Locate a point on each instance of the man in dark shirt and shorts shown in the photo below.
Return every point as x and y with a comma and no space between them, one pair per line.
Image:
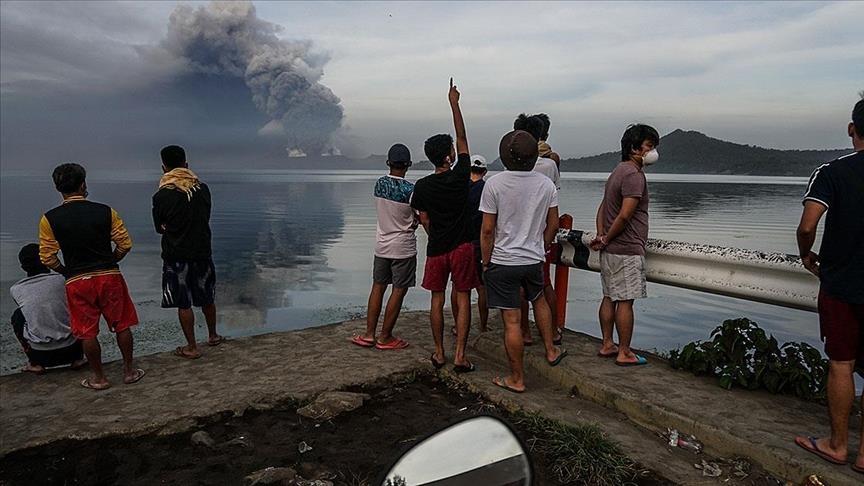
838,189
478,173
181,214
84,232
442,201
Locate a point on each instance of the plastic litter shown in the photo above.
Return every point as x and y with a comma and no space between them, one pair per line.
684,441
813,480
303,447
709,469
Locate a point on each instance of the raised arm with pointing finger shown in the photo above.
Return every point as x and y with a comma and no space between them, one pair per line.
458,121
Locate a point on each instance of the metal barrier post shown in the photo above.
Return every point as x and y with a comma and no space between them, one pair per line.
562,276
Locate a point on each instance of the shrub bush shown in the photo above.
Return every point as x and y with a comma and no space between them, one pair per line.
741,354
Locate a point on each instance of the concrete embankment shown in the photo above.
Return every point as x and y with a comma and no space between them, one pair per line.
259,372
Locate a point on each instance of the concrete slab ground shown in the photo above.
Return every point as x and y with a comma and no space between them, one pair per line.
264,371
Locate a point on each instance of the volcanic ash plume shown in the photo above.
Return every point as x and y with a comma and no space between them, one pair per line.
228,39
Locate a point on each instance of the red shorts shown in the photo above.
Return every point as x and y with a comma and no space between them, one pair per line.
458,262
841,326
93,296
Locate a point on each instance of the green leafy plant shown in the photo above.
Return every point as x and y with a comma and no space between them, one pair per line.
741,354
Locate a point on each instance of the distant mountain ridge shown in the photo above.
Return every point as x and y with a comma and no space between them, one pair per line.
692,152
681,152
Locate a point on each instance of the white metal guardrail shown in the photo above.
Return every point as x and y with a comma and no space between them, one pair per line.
772,278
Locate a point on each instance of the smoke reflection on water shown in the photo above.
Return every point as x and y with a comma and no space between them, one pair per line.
294,250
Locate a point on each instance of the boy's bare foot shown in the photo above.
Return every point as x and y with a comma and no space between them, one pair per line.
608,351
185,352
133,376
95,385
215,340
508,385
31,368
78,364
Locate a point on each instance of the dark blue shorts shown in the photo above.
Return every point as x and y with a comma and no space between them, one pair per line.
188,283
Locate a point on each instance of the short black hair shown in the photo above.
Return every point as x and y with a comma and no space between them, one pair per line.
28,257
634,136
531,124
438,148
173,156
546,124
68,178
858,118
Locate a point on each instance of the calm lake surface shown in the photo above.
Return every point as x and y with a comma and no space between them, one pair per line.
293,249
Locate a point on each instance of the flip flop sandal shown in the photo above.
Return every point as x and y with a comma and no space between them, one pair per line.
640,361
557,360
216,342
501,384
363,342
86,384
859,470
608,355
178,351
811,447
438,365
464,368
557,341
139,373
395,343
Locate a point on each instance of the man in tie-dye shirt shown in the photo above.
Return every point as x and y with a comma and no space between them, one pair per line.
395,261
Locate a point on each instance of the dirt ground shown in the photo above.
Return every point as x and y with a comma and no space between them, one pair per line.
352,449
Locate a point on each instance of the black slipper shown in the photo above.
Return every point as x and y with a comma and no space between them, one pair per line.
464,368
558,359
435,363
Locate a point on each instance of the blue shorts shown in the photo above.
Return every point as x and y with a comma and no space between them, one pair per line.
188,283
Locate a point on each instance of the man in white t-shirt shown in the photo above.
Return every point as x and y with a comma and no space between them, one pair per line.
538,127
520,219
395,261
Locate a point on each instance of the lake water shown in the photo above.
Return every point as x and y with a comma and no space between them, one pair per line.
294,249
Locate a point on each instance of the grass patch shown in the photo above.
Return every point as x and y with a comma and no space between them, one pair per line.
577,455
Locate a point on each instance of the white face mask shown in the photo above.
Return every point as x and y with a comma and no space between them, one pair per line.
650,157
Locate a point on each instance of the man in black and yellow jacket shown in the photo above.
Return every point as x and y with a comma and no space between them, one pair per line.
84,232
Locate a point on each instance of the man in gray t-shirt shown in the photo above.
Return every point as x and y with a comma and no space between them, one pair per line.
622,231
41,320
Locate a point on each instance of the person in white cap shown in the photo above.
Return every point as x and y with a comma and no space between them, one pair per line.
478,173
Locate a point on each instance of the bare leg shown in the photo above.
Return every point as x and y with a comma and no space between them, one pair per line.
373,310
436,318
454,309
624,325
524,321
483,308
552,301
93,352
209,311
187,323
515,347
841,394
463,326
607,326
543,316
860,461
124,342
391,313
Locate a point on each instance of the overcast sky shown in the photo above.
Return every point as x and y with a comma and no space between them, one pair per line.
89,81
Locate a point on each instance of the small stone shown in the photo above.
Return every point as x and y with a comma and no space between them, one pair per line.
202,438
330,404
271,475
303,447
241,441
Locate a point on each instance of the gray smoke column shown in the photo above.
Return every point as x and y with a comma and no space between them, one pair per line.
228,39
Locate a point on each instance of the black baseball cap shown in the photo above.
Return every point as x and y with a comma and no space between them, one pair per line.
399,155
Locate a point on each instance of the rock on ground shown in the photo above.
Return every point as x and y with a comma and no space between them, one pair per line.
271,475
330,404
